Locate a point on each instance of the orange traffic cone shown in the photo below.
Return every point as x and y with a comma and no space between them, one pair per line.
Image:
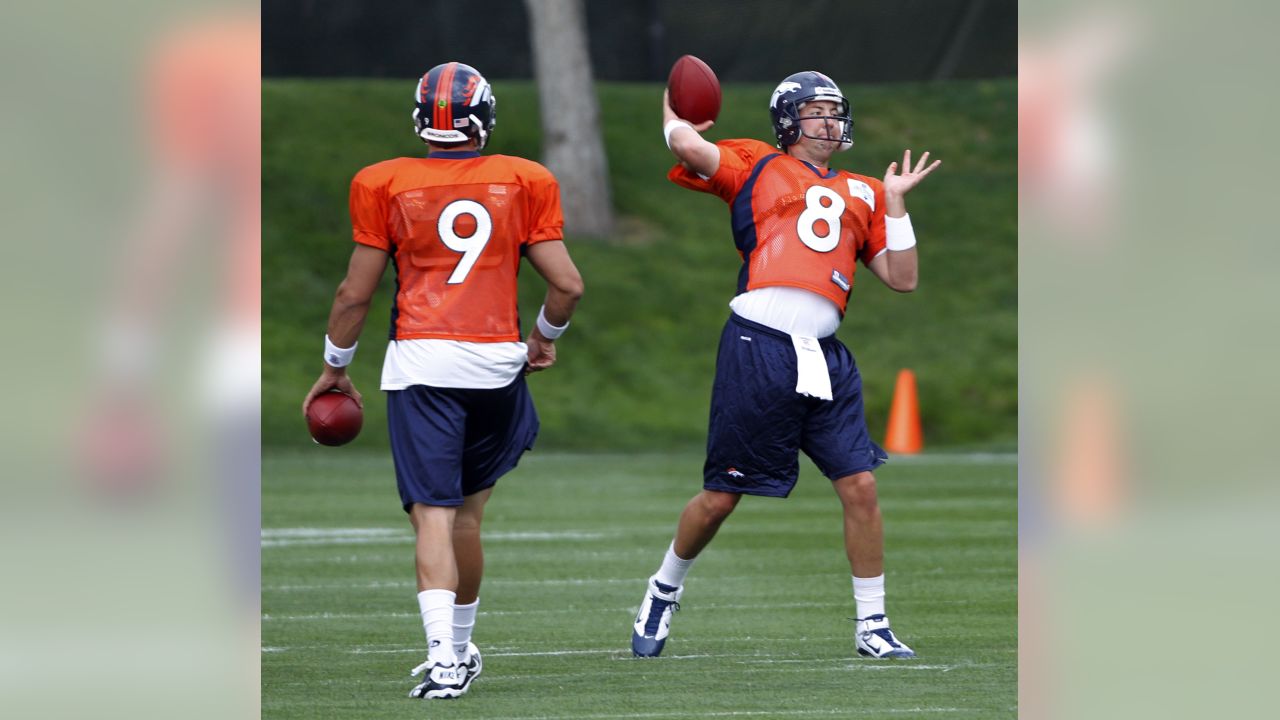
904,435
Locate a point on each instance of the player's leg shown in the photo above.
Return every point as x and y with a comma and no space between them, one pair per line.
427,428
864,545
433,549
863,527
466,545
752,449
836,438
699,521
437,590
502,425
437,578
469,552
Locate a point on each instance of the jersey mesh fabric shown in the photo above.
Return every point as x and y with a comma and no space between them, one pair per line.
494,205
783,212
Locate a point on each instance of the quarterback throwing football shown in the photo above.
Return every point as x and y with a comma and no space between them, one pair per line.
784,383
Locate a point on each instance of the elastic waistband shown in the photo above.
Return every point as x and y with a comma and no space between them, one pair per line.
752,325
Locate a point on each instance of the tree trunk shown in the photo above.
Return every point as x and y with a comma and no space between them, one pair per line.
573,147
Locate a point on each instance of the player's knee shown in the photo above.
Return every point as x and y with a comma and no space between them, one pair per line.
858,491
466,523
718,505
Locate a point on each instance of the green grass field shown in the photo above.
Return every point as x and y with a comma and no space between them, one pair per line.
570,538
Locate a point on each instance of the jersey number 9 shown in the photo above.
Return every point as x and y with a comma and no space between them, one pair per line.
470,246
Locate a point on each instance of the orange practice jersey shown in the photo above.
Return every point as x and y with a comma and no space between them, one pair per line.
454,224
793,226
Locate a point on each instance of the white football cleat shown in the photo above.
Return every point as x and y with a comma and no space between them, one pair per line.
874,639
653,622
442,681
472,667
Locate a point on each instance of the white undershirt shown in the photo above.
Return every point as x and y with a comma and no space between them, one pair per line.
452,364
791,310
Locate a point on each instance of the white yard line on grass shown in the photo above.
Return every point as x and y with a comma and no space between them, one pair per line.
293,537
495,649
637,581
309,532
550,611
842,712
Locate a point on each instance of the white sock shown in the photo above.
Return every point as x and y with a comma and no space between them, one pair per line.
868,596
674,567
437,620
464,618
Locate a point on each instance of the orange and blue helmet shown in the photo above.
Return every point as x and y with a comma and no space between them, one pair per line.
453,104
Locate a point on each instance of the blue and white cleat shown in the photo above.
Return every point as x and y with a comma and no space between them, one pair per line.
653,622
875,639
472,667
442,681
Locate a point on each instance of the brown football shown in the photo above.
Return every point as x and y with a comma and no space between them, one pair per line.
693,90
334,418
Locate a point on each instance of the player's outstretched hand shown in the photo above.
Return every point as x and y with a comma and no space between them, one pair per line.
542,353
895,184
668,115
332,379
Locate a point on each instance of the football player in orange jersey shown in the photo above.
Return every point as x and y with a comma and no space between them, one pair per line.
784,383
455,225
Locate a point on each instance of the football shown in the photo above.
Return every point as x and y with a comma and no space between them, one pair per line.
334,418
693,90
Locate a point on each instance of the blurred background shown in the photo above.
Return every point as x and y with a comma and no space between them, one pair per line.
129,511
636,40
1141,317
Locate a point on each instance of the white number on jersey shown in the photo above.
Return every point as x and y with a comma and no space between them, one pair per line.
814,211
470,247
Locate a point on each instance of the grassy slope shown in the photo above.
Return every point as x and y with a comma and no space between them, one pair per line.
569,540
635,370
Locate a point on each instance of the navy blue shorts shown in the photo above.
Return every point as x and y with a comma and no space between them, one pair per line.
759,423
449,443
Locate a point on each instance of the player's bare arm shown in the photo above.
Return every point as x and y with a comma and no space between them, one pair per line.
687,143
564,288
899,269
350,308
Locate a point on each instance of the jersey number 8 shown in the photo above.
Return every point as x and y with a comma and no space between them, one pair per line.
470,246
814,211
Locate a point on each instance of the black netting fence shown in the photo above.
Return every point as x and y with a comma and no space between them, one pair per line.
637,40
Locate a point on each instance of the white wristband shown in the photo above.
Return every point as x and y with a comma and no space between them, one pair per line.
670,128
336,356
898,234
549,331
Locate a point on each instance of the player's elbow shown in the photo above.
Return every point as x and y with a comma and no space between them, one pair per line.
905,284
576,289
693,153
571,286
349,296
682,144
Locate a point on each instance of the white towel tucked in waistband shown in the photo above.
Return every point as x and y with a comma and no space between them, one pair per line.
812,376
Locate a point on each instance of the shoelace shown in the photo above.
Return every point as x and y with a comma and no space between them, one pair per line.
655,614
890,638
424,666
